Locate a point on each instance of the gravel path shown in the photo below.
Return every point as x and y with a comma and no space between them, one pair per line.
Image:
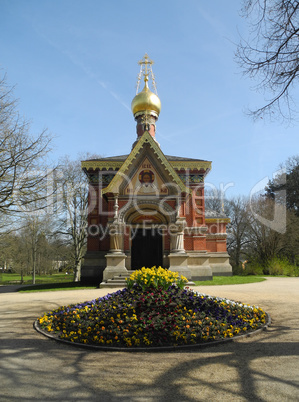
260,368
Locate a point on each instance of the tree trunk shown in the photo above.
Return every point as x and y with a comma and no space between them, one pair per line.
77,273
33,274
33,264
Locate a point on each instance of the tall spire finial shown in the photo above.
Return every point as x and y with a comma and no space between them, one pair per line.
146,71
146,105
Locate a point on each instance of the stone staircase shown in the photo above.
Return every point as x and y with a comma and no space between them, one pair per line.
118,281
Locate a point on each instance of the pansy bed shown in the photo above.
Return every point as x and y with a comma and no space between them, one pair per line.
152,312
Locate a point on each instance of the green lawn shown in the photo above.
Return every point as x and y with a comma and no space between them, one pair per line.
43,283
64,282
15,279
230,280
218,280
51,287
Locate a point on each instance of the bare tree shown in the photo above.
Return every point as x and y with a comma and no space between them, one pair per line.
214,200
22,158
271,53
284,188
7,250
239,228
265,243
72,212
250,234
32,248
237,209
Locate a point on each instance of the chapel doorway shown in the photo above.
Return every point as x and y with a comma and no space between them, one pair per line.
146,249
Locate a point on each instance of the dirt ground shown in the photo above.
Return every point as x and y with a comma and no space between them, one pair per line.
264,367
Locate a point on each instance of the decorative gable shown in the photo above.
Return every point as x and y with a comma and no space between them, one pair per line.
146,181
146,171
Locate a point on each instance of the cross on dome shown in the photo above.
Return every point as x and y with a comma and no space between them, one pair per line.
146,105
146,71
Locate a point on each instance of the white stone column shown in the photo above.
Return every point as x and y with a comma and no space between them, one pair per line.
178,258
177,239
116,257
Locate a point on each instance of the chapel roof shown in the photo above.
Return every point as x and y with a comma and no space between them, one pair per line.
168,157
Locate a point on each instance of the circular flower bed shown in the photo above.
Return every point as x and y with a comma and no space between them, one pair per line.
152,316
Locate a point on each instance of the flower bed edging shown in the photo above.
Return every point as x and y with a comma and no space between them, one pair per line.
153,348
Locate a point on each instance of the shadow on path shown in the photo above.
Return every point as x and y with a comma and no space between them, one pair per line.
49,371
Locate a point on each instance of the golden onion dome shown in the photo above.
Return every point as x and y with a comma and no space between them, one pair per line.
146,100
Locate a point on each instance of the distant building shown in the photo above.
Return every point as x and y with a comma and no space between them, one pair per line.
147,208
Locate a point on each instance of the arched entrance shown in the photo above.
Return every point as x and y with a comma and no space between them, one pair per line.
146,248
148,233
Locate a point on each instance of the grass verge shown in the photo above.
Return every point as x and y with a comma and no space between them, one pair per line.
49,287
230,280
218,280
16,279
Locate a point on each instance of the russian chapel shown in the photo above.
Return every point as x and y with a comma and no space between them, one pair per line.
148,209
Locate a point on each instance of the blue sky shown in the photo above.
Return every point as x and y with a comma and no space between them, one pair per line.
74,64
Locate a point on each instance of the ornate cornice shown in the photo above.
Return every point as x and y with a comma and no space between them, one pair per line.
205,166
191,178
100,165
217,220
217,236
191,165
